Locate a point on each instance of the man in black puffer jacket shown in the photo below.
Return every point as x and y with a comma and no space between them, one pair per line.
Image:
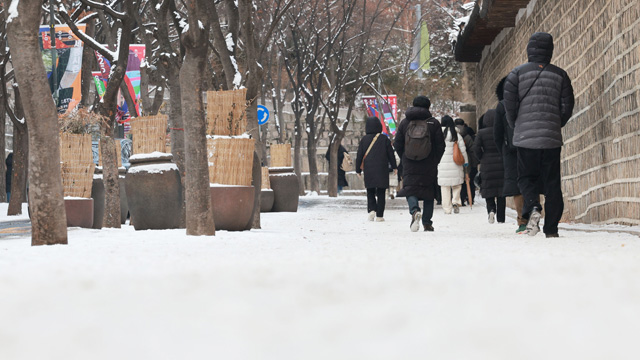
538,99
420,176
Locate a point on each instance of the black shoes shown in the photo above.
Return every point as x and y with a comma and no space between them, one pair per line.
428,227
554,235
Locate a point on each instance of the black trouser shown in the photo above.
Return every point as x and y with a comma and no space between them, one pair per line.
535,165
372,204
497,205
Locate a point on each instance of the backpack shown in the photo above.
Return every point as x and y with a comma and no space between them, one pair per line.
418,140
347,163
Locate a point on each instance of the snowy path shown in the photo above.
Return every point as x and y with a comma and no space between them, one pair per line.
323,283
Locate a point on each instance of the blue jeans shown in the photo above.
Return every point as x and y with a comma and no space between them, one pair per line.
427,214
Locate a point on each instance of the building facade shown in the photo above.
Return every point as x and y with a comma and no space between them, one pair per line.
598,43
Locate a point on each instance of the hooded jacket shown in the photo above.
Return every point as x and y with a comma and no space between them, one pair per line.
376,165
538,97
491,166
503,138
419,177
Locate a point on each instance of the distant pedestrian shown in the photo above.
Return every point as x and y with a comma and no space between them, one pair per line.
420,145
8,173
451,175
491,167
342,175
472,170
375,155
503,137
539,100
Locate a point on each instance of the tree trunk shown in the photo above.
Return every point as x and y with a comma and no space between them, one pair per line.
20,169
297,156
46,202
176,130
88,63
312,151
256,173
3,145
332,182
199,215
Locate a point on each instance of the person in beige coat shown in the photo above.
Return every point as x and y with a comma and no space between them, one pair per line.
450,174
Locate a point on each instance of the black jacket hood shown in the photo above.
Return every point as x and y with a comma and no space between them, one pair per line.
373,125
417,113
540,48
500,89
489,118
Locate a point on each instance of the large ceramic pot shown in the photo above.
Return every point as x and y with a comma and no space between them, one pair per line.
232,206
79,212
97,194
266,200
285,186
154,192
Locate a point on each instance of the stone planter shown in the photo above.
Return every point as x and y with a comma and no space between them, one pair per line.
97,194
266,200
232,206
154,192
79,212
285,186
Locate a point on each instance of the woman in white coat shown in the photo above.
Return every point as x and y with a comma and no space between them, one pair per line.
450,174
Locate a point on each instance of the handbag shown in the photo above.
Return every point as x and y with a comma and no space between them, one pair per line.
458,158
347,163
368,149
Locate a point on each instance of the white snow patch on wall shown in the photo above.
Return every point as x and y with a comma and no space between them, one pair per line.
153,168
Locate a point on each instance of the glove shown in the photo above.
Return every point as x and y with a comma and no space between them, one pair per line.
466,164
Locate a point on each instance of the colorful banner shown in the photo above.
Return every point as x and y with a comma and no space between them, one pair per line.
385,108
421,51
132,81
68,65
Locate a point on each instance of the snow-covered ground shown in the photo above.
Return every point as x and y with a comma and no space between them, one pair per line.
323,283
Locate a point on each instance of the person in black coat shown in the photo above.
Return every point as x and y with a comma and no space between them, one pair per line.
539,101
342,175
491,167
9,163
420,177
503,137
375,158
469,136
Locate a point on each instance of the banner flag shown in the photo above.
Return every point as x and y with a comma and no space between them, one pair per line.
421,53
68,65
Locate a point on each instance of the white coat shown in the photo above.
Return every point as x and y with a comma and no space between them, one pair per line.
449,173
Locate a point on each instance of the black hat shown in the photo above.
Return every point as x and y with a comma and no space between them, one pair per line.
422,101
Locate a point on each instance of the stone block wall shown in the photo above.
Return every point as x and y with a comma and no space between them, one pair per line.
598,43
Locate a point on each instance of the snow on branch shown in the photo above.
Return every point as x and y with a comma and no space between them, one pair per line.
106,8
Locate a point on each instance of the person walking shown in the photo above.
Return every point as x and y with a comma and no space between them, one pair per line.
472,170
503,137
375,155
539,100
491,167
420,145
342,175
451,175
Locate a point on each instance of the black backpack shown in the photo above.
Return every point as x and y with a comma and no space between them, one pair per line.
418,140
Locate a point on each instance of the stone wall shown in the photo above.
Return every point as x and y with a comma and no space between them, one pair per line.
598,43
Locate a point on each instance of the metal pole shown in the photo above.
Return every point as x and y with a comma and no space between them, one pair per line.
54,52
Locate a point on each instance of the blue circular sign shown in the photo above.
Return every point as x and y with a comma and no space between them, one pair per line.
263,114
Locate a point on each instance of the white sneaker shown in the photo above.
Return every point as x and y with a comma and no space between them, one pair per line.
492,217
534,220
372,215
379,219
415,221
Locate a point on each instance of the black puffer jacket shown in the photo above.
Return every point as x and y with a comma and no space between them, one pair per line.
538,109
376,165
491,168
419,177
